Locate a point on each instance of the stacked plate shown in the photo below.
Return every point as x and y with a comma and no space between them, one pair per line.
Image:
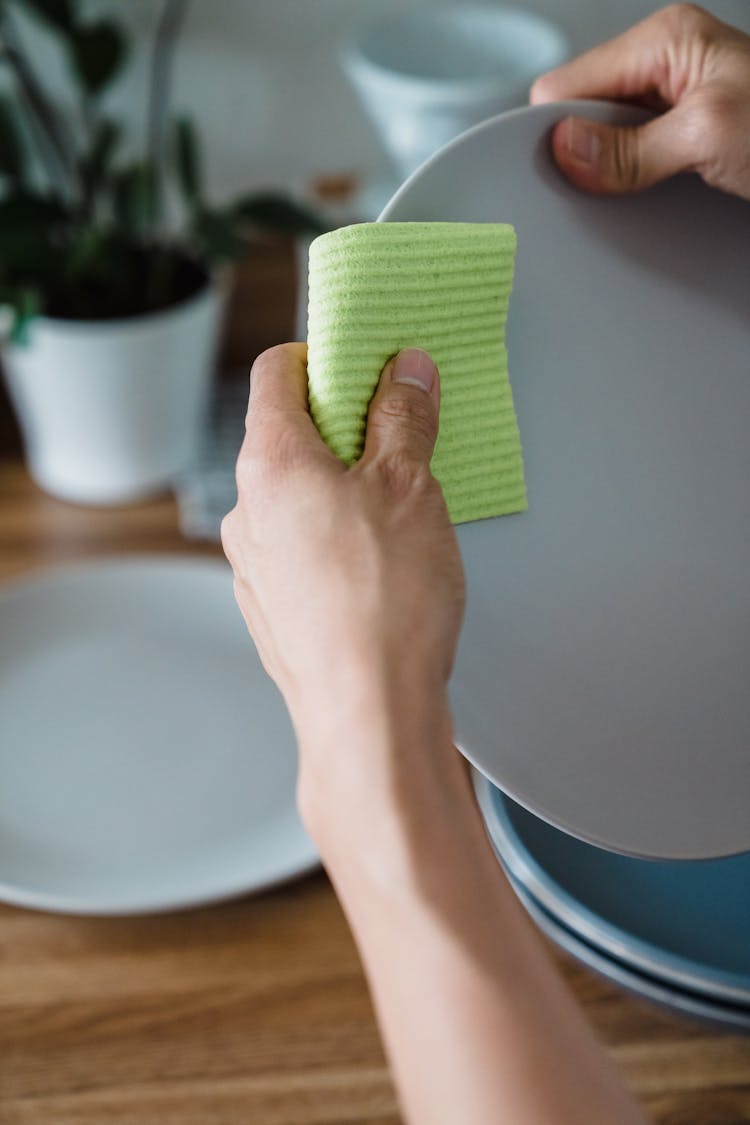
677,933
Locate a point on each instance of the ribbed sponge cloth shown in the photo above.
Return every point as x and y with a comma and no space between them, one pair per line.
376,288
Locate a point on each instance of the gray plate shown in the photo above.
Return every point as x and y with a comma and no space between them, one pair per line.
684,924
603,672
696,1007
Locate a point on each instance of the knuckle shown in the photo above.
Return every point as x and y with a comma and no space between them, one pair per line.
270,450
268,362
403,476
250,469
705,118
707,125
625,158
412,413
683,18
268,369
284,449
227,532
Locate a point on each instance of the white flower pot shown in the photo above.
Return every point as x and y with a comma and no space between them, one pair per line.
111,410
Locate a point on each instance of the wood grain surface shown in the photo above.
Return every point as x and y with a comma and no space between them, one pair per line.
255,1011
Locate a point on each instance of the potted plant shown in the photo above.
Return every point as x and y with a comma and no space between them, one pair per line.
109,264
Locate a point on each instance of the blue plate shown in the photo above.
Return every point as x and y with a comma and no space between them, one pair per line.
728,1016
685,922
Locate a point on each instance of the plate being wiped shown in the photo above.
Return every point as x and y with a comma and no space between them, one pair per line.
603,674
147,761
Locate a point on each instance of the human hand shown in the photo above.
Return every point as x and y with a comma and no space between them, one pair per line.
349,579
351,584
680,60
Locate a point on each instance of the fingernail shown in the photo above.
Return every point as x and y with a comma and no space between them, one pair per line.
584,144
415,367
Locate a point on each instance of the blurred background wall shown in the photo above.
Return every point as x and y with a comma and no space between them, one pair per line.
263,79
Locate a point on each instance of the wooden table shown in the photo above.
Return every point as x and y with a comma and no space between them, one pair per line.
255,1011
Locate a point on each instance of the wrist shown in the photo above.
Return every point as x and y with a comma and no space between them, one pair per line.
389,712
364,689
367,760
393,815
422,855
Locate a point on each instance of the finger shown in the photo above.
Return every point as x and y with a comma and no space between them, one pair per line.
278,380
633,64
278,414
616,159
403,415
616,69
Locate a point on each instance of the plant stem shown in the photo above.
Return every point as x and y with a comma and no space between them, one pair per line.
61,169
170,21
167,31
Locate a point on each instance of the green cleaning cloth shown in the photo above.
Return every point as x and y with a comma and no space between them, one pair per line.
376,288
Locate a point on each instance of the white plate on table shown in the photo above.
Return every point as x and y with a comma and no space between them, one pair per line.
603,676
146,760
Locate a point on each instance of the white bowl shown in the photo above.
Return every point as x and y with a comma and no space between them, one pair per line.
426,76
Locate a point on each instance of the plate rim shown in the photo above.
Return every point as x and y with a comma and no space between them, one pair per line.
602,108
675,1000
582,920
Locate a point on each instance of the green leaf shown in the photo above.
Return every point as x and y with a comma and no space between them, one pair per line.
61,14
272,211
188,162
98,52
98,270
24,304
94,165
218,236
33,234
11,146
28,306
24,210
30,229
137,200
86,250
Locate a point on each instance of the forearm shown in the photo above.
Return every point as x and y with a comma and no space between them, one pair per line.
478,1025
350,581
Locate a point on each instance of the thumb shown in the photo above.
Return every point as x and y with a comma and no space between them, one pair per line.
615,159
403,415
